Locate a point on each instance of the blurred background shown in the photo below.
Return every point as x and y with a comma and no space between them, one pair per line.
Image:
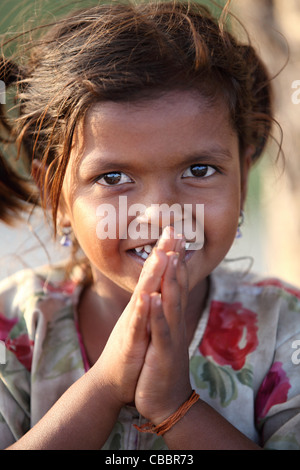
270,244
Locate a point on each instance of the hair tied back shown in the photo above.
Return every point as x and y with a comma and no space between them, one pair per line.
10,72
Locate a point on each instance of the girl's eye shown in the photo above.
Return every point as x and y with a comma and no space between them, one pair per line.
199,171
113,178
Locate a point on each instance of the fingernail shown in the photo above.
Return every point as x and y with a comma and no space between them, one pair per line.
141,299
175,260
158,300
166,233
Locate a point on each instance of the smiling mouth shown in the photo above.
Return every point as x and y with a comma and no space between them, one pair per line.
144,251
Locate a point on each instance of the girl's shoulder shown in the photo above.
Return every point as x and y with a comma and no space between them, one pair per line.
45,281
233,283
38,344
270,298
31,293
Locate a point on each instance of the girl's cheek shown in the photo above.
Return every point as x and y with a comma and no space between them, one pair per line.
220,222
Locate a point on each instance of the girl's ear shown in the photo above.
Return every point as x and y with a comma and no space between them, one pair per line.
246,163
63,220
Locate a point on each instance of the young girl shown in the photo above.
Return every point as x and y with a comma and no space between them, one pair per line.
156,103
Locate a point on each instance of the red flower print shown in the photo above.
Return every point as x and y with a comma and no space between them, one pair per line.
273,390
6,324
22,349
64,287
230,335
21,345
276,283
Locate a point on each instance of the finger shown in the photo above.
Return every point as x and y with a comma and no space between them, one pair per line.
151,275
168,239
182,272
156,263
153,266
149,281
171,293
160,333
180,247
138,331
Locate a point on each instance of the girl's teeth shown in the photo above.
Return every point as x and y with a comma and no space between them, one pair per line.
143,251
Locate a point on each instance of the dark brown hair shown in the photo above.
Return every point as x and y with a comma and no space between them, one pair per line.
16,194
125,52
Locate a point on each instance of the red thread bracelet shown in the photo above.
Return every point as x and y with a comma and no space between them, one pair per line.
168,423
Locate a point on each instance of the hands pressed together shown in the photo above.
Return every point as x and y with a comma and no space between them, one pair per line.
145,360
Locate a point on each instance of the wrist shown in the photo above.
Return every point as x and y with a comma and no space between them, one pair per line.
159,415
162,427
104,389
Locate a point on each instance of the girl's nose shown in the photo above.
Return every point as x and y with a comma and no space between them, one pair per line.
167,208
162,203
161,214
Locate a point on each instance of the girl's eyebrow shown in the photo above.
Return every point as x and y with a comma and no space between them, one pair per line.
216,153
105,163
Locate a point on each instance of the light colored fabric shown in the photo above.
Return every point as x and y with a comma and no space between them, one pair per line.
241,357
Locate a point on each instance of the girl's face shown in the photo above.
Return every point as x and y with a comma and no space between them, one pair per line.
173,150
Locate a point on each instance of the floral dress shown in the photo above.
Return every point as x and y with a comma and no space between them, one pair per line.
244,357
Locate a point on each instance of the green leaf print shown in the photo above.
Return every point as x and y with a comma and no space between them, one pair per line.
287,442
293,302
221,381
245,376
19,329
115,440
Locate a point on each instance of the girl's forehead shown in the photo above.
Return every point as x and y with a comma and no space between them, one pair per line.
179,102
170,111
175,125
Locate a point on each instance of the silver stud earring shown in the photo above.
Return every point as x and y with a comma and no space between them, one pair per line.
66,240
241,221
